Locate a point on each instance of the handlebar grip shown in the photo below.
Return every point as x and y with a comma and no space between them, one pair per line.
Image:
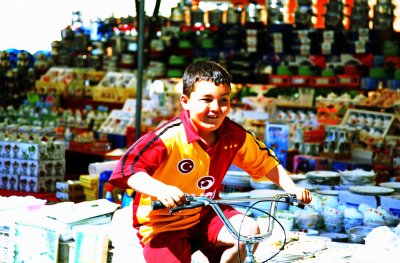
294,202
157,205
299,205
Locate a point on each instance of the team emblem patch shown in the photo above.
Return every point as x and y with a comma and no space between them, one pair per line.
205,182
186,166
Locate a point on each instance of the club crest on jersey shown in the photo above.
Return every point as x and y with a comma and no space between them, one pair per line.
205,182
186,166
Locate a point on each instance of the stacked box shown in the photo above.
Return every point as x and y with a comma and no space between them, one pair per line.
90,185
70,191
31,167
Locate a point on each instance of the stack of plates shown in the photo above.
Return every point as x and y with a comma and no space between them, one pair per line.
323,177
357,177
393,185
371,190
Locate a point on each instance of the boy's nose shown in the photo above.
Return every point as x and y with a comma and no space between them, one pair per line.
214,105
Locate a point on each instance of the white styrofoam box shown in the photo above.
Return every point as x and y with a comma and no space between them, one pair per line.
392,203
353,199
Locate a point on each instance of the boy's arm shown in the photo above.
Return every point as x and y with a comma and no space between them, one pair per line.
280,177
169,195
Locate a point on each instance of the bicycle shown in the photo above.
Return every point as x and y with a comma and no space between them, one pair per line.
250,241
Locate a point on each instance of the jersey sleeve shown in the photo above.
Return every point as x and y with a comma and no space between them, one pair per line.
145,155
255,158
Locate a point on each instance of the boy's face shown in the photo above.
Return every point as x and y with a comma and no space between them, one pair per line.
208,105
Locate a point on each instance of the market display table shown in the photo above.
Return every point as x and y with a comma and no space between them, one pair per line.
299,248
303,248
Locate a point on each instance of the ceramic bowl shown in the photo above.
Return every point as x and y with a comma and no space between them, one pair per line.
309,232
329,198
307,219
349,223
335,236
352,213
286,218
330,212
373,218
357,234
334,228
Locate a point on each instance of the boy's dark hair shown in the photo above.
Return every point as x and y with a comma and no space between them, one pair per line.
204,70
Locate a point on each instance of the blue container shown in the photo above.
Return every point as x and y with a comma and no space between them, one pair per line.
370,84
393,84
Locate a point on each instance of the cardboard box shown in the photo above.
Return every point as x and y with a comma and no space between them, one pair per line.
352,199
37,184
115,87
277,139
32,151
9,166
9,182
42,168
392,203
89,181
71,187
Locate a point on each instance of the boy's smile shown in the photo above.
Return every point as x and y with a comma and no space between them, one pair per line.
208,105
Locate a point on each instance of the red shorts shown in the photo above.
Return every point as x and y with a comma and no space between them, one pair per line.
178,246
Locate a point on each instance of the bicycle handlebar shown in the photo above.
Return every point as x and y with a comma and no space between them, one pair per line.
194,202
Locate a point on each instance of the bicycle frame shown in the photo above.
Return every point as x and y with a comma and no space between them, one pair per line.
249,241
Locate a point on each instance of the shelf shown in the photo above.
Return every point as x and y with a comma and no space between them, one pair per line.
46,196
80,103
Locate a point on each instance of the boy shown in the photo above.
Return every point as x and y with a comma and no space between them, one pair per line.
191,154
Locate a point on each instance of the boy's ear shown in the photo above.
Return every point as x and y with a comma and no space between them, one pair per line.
184,102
